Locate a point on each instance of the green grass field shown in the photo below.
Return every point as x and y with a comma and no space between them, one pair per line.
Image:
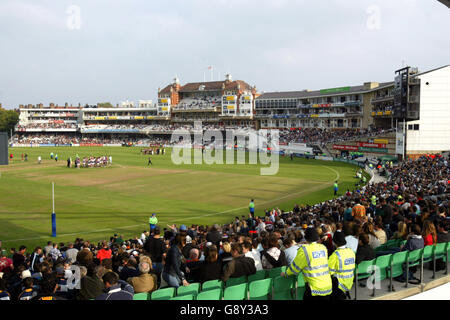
94,203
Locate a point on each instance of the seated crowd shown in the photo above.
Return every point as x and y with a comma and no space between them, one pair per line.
412,205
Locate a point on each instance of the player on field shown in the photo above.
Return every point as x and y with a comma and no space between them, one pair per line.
149,161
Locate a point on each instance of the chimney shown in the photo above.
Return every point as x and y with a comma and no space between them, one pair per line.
371,85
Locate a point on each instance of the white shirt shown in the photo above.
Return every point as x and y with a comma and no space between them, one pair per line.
352,243
254,254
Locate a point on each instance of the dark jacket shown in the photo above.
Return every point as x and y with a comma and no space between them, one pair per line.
91,287
156,248
214,237
128,272
364,253
174,263
238,267
208,271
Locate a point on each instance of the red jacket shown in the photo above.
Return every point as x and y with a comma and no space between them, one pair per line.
104,254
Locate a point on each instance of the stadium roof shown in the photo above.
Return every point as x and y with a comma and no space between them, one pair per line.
425,72
322,93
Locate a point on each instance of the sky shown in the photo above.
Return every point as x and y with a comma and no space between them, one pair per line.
90,51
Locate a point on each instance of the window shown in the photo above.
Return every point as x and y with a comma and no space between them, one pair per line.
416,127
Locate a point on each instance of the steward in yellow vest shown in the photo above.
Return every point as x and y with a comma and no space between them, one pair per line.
342,268
312,262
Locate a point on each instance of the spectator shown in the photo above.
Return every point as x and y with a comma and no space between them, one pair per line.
249,250
91,285
35,258
156,248
210,268
48,287
350,238
291,249
214,236
71,253
429,233
239,266
273,257
104,252
19,257
113,289
145,282
173,272
364,252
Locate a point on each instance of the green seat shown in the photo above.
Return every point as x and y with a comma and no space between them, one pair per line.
192,288
259,275
184,297
383,264
300,287
212,284
283,288
212,294
237,292
260,289
363,271
393,243
141,296
235,281
439,253
428,253
163,294
276,272
414,259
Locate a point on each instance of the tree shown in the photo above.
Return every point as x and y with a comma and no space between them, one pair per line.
105,105
8,120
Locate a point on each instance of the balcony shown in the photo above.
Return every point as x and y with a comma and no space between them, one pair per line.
382,99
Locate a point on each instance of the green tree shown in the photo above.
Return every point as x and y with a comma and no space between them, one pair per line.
8,119
105,105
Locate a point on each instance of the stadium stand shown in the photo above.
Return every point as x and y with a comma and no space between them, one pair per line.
415,193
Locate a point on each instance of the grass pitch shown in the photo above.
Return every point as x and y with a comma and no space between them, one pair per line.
94,203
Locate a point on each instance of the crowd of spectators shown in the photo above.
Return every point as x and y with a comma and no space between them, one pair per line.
200,103
413,204
47,126
325,136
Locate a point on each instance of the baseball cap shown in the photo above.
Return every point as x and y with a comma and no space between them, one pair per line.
26,274
183,227
153,214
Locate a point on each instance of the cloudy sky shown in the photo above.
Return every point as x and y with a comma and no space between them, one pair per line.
89,51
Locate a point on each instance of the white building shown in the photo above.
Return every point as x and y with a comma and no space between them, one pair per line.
431,133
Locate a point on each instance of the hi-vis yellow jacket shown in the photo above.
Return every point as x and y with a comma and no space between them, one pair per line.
312,261
342,266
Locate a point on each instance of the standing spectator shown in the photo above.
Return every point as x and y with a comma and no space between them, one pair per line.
358,212
145,282
55,253
156,248
71,252
214,236
35,258
19,257
173,272
48,248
